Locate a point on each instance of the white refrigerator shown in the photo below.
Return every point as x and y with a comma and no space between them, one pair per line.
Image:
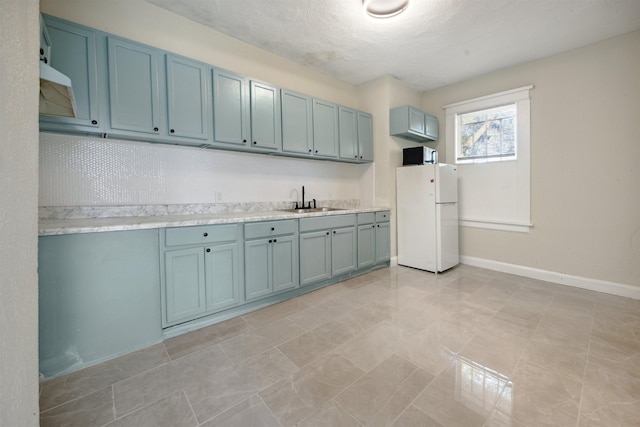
427,216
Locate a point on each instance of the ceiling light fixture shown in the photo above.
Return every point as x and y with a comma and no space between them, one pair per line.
384,8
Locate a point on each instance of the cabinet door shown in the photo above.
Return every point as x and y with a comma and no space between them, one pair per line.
343,251
416,121
285,262
383,242
365,137
134,95
74,53
188,100
315,257
325,129
348,131
222,276
265,116
431,127
366,245
230,113
184,284
257,275
297,134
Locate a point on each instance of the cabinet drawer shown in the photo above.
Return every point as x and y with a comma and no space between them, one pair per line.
202,234
366,218
383,216
256,230
327,222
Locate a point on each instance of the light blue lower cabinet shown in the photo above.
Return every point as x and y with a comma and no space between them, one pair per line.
184,285
222,272
98,297
315,256
285,263
383,236
344,251
271,258
201,271
383,242
366,245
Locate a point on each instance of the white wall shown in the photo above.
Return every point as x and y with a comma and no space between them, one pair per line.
92,171
19,213
585,162
378,97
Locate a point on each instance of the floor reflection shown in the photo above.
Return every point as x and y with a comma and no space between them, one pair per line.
478,387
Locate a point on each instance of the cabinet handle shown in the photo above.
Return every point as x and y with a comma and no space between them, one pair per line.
270,241
334,231
41,51
316,151
275,240
244,141
327,233
205,234
360,156
356,157
155,129
309,149
172,131
273,228
208,250
378,225
94,122
373,226
255,142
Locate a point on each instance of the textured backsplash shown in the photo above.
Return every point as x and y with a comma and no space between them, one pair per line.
90,171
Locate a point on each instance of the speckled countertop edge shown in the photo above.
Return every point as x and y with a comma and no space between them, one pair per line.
52,227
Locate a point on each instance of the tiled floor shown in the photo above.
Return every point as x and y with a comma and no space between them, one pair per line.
396,347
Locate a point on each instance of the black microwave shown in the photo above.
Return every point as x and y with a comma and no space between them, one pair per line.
419,156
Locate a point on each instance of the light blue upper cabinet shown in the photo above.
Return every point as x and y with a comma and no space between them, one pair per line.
325,129
134,93
297,123
365,137
230,108
129,90
410,123
74,52
188,98
416,121
265,116
431,127
348,128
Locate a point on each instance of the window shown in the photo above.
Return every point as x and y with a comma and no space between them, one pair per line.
490,139
487,135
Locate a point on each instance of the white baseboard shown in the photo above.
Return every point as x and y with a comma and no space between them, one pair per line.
613,288
394,261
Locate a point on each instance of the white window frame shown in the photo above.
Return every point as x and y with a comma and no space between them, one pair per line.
516,214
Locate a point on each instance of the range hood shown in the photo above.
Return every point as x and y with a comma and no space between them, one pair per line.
56,94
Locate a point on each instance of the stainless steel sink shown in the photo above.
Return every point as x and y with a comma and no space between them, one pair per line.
310,210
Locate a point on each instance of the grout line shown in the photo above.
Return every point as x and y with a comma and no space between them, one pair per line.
191,407
268,409
586,364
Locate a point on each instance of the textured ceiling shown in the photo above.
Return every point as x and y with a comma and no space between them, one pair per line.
432,44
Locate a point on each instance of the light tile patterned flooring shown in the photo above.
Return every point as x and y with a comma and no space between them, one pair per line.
397,346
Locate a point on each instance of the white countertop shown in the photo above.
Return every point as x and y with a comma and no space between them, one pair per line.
51,227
